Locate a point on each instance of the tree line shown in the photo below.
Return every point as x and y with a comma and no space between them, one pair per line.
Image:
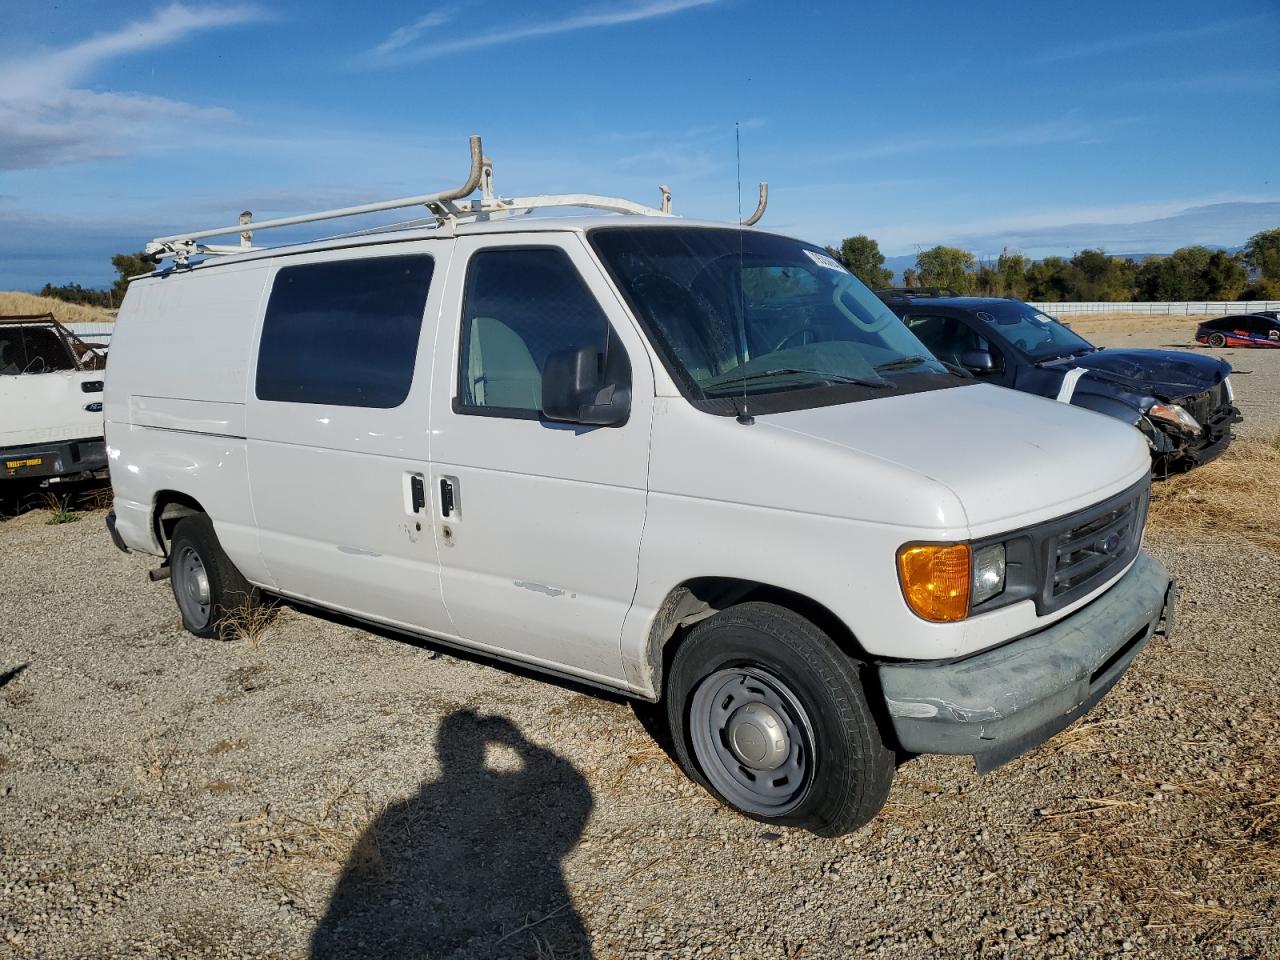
127,265
1189,273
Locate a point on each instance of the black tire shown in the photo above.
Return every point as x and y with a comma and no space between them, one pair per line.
808,685
193,551
1217,340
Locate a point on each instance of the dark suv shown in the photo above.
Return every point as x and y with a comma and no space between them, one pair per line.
1181,401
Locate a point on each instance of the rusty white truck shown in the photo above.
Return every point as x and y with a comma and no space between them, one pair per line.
50,402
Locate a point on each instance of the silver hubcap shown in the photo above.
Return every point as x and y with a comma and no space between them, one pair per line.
758,737
753,740
191,585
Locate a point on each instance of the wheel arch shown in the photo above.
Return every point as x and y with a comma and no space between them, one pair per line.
699,598
170,507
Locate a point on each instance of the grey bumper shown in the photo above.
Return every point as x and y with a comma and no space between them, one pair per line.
999,704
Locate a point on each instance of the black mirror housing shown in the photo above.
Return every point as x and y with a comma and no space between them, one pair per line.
979,361
574,390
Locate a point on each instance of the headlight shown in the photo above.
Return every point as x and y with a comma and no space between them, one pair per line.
941,582
988,572
1173,414
935,580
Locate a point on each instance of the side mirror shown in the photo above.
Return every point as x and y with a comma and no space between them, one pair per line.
574,391
978,361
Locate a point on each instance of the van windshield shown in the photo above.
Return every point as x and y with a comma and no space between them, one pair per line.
739,313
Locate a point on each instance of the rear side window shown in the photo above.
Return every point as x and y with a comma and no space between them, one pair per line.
344,333
522,305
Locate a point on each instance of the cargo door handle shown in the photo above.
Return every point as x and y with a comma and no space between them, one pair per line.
418,493
448,496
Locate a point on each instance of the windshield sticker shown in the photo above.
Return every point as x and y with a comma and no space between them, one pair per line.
1042,317
822,260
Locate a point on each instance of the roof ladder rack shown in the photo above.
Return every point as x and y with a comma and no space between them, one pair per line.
445,209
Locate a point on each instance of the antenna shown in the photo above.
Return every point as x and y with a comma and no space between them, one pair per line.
744,412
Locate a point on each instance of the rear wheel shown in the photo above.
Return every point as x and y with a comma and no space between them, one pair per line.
1217,340
773,719
209,590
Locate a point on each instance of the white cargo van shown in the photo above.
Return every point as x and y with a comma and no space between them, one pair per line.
696,463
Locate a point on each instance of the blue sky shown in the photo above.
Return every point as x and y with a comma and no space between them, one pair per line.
1042,126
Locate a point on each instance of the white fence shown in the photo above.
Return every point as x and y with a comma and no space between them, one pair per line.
99,333
1173,308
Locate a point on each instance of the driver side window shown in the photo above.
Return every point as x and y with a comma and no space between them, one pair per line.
521,306
950,339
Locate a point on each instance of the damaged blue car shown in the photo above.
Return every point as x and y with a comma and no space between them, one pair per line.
1182,402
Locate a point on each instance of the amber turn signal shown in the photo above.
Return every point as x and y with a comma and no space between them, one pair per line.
935,580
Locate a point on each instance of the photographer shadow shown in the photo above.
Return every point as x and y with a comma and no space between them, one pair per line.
470,865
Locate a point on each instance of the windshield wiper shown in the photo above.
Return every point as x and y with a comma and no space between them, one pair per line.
738,379
902,363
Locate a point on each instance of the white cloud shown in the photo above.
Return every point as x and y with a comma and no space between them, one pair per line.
1064,130
397,47
47,120
1123,43
409,33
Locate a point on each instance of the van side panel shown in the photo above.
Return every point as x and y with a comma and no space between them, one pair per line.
333,485
174,404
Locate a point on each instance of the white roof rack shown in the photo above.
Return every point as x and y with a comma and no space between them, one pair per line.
445,209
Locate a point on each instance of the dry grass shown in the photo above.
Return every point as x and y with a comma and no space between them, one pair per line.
21,303
1176,851
1237,493
249,623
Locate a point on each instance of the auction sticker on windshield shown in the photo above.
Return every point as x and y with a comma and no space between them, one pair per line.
822,260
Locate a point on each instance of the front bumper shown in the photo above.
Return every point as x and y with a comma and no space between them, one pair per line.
59,460
998,705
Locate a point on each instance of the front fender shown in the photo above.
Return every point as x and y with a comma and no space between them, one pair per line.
1110,406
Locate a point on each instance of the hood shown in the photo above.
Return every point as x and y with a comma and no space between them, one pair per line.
1011,458
1165,374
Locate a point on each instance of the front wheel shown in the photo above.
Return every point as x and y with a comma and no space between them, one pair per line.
773,719
1217,340
208,588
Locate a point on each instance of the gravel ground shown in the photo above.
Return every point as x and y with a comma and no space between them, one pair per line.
271,795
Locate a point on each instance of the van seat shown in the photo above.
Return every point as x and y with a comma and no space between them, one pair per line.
501,371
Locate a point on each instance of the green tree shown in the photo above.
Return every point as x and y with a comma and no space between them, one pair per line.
986,280
1012,268
862,257
946,267
1224,276
1262,252
910,278
127,265
1191,273
1050,280
74,293
1095,276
